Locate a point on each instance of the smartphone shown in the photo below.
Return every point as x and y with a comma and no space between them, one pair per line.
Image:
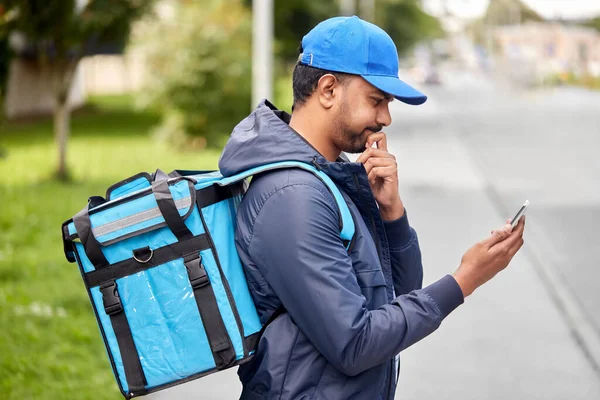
520,213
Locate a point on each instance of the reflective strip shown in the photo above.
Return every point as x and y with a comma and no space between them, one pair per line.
137,218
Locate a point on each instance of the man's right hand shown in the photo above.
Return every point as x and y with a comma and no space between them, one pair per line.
484,260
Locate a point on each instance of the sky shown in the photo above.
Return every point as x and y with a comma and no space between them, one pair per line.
568,9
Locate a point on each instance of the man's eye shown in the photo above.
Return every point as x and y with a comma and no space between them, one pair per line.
377,101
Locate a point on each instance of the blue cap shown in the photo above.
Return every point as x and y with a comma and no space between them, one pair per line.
353,46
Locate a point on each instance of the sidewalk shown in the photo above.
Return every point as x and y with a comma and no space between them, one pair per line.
508,341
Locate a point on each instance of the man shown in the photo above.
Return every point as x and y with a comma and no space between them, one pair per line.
347,313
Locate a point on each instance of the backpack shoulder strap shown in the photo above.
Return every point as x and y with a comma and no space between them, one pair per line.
346,222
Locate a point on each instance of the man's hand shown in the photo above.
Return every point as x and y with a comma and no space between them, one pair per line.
382,171
484,260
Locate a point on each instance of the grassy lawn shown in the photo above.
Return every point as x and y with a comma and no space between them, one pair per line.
50,345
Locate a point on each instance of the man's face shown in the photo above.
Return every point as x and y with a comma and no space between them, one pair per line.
363,110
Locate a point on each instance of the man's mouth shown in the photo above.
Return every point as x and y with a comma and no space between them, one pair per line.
374,129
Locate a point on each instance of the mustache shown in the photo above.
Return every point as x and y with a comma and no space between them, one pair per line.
374,129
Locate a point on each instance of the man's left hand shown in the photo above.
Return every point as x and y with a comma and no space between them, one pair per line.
382,171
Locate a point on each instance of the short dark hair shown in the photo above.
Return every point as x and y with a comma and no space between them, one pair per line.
305,80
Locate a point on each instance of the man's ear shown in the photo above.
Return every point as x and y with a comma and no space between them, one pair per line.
328,90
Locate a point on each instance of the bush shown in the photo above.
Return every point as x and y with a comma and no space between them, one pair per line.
199,70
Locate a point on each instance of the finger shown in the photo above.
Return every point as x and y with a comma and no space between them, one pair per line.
378,162
372,152
376,137
514,249
497,236
511,241
379,138
383,172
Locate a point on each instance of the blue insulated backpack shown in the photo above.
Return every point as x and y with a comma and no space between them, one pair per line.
159,262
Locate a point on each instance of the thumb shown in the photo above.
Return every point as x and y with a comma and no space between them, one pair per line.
498,235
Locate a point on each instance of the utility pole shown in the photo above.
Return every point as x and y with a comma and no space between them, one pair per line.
347,7
367,10
262,50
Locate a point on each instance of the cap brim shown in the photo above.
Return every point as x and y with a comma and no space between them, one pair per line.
397,88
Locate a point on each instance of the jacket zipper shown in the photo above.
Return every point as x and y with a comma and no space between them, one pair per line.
391,374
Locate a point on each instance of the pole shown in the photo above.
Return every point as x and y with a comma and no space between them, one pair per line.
262,50
347,7
367,10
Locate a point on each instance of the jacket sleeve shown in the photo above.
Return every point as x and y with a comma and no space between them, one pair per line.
405,255
295,244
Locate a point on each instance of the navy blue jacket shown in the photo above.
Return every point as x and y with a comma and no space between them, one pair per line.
348,314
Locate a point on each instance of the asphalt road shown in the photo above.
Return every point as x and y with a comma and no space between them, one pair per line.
478,150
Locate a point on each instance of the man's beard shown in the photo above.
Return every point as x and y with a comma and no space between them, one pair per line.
351,141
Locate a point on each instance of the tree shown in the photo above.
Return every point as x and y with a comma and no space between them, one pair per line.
406,23
199,70
593,23
7,17
502,12
58,34
293,19
403,20
199,58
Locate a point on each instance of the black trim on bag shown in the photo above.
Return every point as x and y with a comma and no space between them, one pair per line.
68,242
160,256
224,280
70,237
193,377
187,172
204,198
220,343
112,307
169,211
132,366
241,361
255,337
83,226
252,340
216,193
140,194
126,181
99,322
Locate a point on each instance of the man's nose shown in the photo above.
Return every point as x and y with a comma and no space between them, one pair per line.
384,117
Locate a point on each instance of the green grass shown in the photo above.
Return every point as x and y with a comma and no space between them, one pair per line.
50,344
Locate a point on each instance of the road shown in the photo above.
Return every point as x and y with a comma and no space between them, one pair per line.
468,159
473,155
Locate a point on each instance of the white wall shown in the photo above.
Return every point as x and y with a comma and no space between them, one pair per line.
115,74
28,93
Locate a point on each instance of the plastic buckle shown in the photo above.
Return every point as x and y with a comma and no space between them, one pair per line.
111,299
197,273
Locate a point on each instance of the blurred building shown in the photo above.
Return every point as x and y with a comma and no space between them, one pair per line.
550,48
107,71
30,93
